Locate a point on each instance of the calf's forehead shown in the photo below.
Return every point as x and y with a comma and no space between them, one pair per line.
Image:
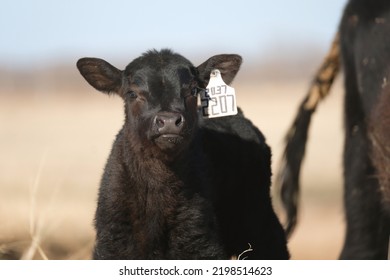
160,67
148,76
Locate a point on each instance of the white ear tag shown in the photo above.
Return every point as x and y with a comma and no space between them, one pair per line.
219,99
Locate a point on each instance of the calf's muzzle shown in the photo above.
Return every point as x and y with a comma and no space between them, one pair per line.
169,123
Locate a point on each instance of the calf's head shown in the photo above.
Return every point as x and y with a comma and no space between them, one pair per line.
160,94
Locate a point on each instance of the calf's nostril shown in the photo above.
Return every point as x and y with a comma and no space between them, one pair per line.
160,122
179,121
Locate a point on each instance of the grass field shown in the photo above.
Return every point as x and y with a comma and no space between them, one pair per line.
53,149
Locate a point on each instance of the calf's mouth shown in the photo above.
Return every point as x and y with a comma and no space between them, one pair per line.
169,141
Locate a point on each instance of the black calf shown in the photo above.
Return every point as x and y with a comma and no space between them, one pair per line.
176,186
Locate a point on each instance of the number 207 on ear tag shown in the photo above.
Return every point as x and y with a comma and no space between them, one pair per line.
219,99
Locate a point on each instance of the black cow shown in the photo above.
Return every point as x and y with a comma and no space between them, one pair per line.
176,186
363,49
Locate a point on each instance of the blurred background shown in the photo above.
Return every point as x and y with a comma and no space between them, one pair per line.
56,131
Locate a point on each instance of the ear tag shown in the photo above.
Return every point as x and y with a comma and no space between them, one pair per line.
219,99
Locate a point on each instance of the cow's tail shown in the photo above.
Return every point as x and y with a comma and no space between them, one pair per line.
287,180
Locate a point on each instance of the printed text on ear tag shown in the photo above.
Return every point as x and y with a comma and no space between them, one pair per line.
219,99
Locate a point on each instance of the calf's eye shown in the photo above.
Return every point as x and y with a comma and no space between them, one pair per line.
132,94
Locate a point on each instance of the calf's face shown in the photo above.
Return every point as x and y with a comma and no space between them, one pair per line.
160,94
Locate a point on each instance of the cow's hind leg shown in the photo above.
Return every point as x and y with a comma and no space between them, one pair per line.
366,228
379,134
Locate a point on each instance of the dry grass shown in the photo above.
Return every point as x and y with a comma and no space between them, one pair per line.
53,149
36,223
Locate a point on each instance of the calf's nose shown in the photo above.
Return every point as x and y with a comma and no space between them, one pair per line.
169,122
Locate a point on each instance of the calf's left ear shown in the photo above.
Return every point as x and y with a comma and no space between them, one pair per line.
100,74
227,64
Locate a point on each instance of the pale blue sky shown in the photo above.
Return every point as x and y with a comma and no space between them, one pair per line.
43,31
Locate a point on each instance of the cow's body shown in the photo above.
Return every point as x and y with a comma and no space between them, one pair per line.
363,50
176,186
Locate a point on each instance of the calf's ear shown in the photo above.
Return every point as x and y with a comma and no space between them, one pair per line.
100,74
227,64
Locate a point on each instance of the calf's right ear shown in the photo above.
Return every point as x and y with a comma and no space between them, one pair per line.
100,74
